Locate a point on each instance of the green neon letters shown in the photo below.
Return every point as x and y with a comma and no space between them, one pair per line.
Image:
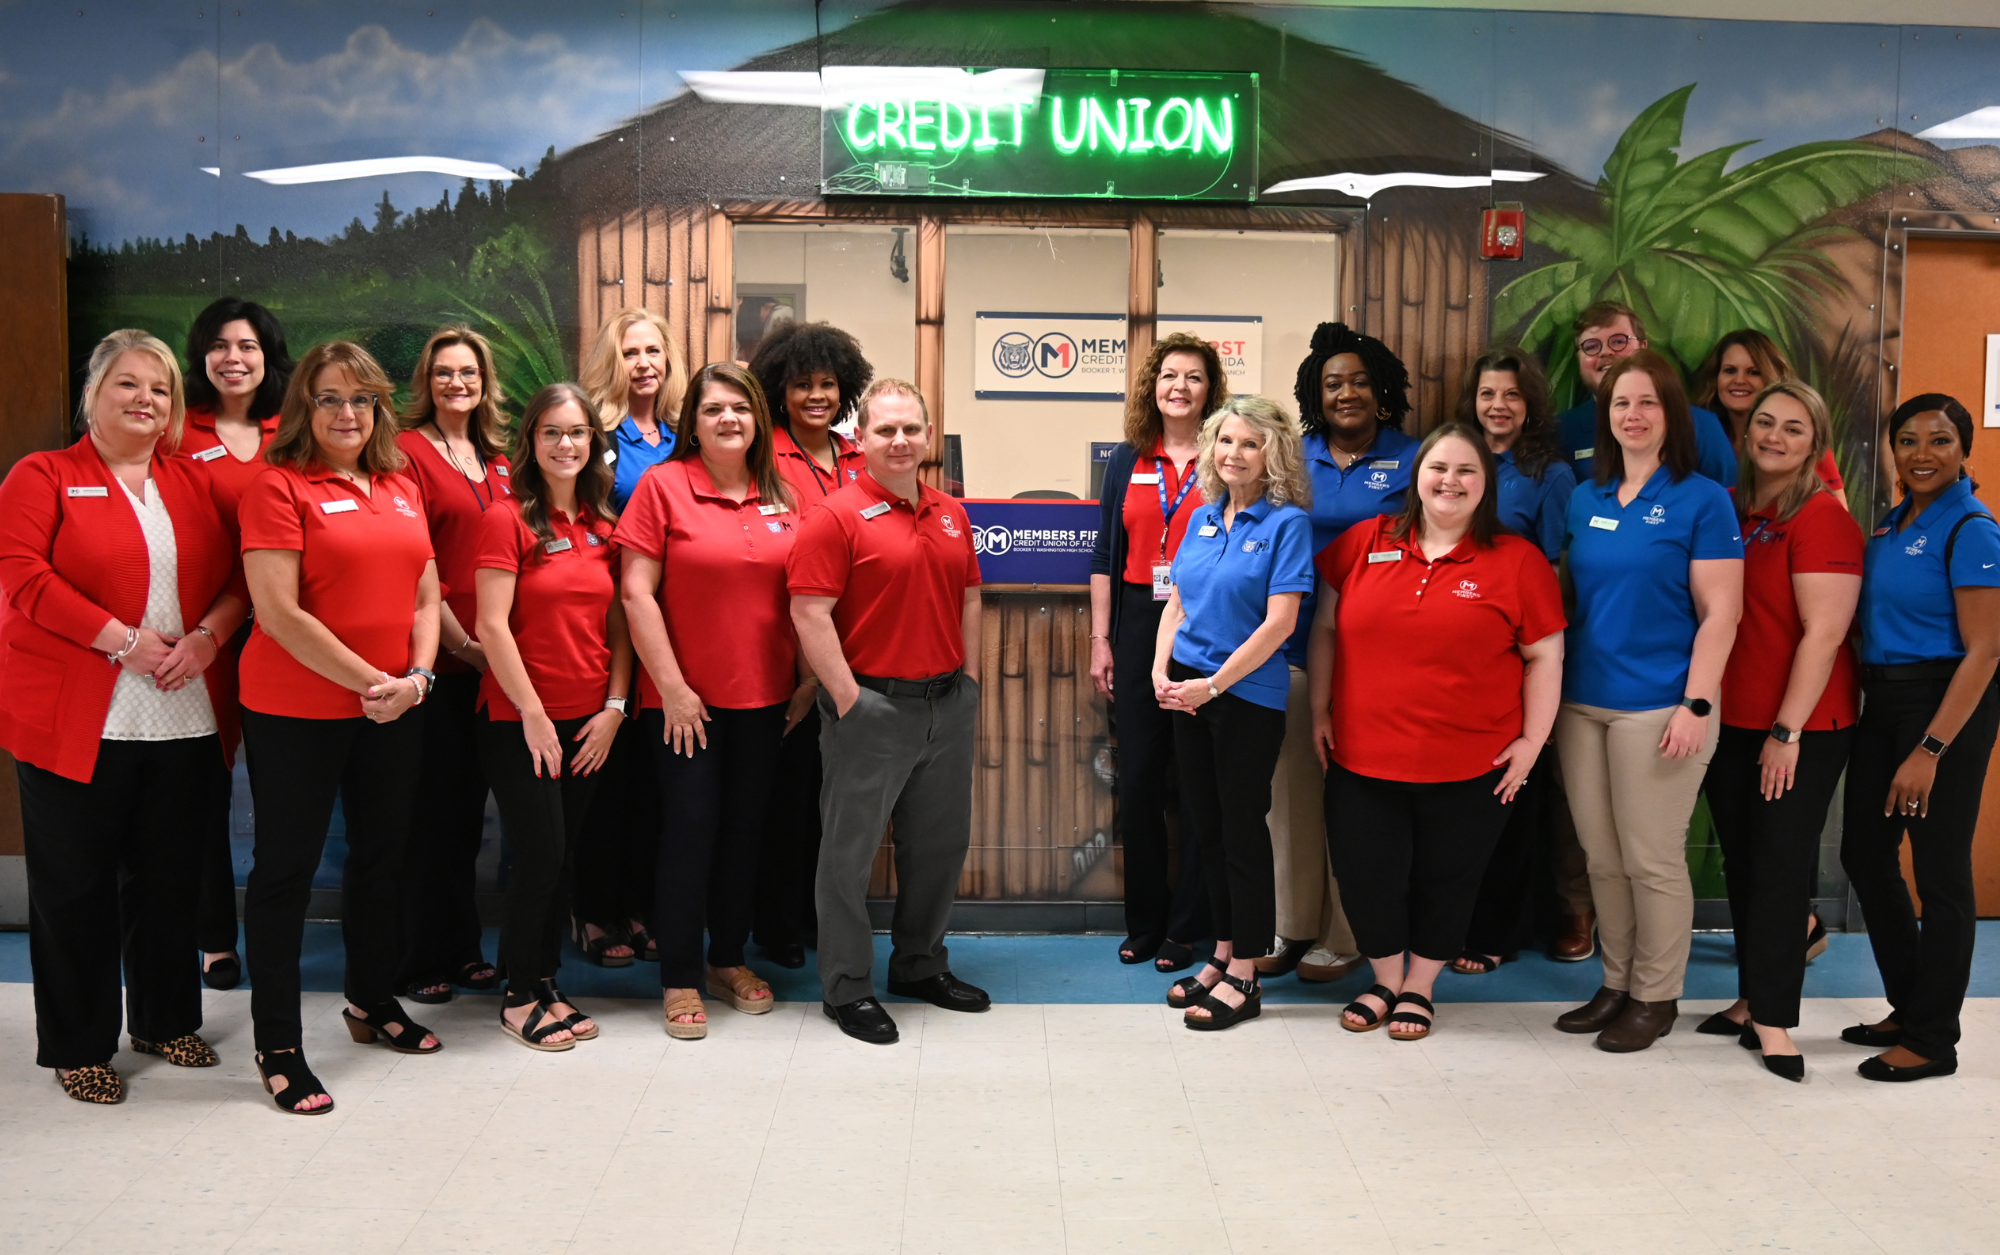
1120,124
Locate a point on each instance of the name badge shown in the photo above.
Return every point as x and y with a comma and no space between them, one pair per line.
610,456
557,545
1387,555
1580,454
1210,530
345,506
209,455
1881,531
90,492
1389,465
869,512
1150,477
1163,581
1599,521
774,508
503,472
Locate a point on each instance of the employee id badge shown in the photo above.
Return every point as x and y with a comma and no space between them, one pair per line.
1163,581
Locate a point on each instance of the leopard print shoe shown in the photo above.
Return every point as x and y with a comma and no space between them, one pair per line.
96,1083
186,1051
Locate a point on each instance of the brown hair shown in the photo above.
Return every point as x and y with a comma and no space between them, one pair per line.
531,488
1144,425
1603,314
1807,482
1486,523
1538,445
883,387
295,445
1679,454
106,355
487,428
762,457
604,376
1763,350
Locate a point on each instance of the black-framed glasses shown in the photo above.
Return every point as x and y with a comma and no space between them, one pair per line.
1614,344
328,403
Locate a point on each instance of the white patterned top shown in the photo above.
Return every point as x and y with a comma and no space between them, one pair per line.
139,710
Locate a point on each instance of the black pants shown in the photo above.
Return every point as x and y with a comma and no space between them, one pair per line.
1925,967
713,803
215,909
113,870
297,767
1410,857
440,911
1155,906
1503,911
790,852
1226,753
1769,853
544,820
621,836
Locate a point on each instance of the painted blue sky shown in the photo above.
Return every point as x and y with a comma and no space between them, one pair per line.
124,135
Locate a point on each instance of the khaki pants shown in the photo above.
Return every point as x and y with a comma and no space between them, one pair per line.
1308,899
1631,808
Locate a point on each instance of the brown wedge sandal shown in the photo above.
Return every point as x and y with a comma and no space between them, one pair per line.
741,990
185,1051
96,1083
686,1002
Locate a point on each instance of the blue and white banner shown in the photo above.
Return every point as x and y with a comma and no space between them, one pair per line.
1048,357
1034,541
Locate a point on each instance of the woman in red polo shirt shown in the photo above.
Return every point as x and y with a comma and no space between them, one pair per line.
454,440
339,565
237,371
112,549
1420,772
813,374
711,527
559,667
1789,704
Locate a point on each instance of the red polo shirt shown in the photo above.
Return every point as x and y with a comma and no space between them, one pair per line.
227,477
1821,537
362,556
900,575
722,585
1427,670
453,506
563,590
812,483
1142,512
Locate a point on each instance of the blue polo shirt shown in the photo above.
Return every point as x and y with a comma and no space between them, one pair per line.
1373,485
1907,612
1632,635
1711,438
1226,577
1536,509
635,457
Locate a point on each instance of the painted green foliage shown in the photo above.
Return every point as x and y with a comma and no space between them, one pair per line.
1697,249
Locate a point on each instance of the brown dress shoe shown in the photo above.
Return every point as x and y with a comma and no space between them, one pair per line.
1596,1015
1642,1024
1578,939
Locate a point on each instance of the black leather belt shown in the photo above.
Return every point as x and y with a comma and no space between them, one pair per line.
1935,669
929,690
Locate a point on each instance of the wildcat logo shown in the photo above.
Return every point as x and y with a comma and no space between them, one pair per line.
1468,590
1916,549
1658,515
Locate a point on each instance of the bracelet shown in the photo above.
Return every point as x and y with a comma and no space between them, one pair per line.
1213,692
1099,636
453,649
131,643
203,629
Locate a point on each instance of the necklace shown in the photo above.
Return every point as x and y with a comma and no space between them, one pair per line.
480,461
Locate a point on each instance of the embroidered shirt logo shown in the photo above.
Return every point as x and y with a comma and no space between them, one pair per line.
403,508
1256,546
1916,549
1468,590
950,526
1378,480
1657,515
592,538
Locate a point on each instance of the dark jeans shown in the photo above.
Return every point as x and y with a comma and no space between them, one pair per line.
1226,753
713,803
1503,912
1925,967
790,851
297,767
621,836
440,912
1769,853
215,909
113,870
1409,858
1154,905
544,820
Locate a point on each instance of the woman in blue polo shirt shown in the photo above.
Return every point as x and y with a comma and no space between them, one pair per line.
1930,636
1656,568
1244,566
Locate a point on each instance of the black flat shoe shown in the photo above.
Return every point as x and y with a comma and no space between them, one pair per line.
1220,1014
1874,1069
1816,942
1748,1038
789,955
863,1020
943,990
225,973
1173,957
1791,1067
1720,1025
1872,1037
1138,949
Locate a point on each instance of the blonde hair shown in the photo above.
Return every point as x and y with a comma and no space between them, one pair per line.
488,428
604,377
1806,483
886,386
106,355
296,446
1285,478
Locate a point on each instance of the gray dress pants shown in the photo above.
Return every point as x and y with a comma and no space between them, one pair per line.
908,760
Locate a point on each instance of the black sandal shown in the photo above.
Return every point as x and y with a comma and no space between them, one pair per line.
480,984
1366,1012
1220,1014
224,973
1477,964
1173,956
1427,1021
644,947
554,996
290,1066
1138,949
1189,990
430,993
542,1022
379,1019
595,948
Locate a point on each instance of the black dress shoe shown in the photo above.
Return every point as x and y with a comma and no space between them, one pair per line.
863,1020
1870,1036
224,973
1720,1025
1791,1067
943,990
786,954
1874,1069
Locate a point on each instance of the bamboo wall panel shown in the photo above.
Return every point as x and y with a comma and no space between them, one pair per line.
930,337
1142,300
1423,291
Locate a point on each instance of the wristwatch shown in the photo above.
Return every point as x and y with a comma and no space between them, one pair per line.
1932,746
622,705
430,682
1784,735
1699,705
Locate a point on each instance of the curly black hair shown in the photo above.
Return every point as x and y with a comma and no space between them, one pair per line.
207,328
799,349
1386,375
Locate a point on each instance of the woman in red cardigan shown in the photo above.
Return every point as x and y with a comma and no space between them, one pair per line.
112,549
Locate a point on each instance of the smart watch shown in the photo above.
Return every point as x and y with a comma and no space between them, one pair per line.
1699,705
619,704
1784,735
1932,746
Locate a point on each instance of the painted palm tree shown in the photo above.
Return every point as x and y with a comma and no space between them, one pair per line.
1697,249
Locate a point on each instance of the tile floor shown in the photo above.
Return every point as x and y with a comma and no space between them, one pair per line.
1032,1128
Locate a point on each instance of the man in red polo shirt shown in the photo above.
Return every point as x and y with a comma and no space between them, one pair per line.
885,597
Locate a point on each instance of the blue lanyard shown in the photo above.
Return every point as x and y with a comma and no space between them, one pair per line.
1755,532
1167,512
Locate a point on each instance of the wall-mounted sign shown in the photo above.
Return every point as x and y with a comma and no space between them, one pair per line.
1081,357
1034,542
1146,134
1238,340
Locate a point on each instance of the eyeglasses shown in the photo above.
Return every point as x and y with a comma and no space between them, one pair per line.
1596,348
328,403
468,374
550,437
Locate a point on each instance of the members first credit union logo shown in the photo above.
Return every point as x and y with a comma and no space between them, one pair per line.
993,541
1658,516
1052,356
1914,550
1467,589
1378,480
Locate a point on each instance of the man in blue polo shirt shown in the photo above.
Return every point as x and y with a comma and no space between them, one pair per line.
1604,333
